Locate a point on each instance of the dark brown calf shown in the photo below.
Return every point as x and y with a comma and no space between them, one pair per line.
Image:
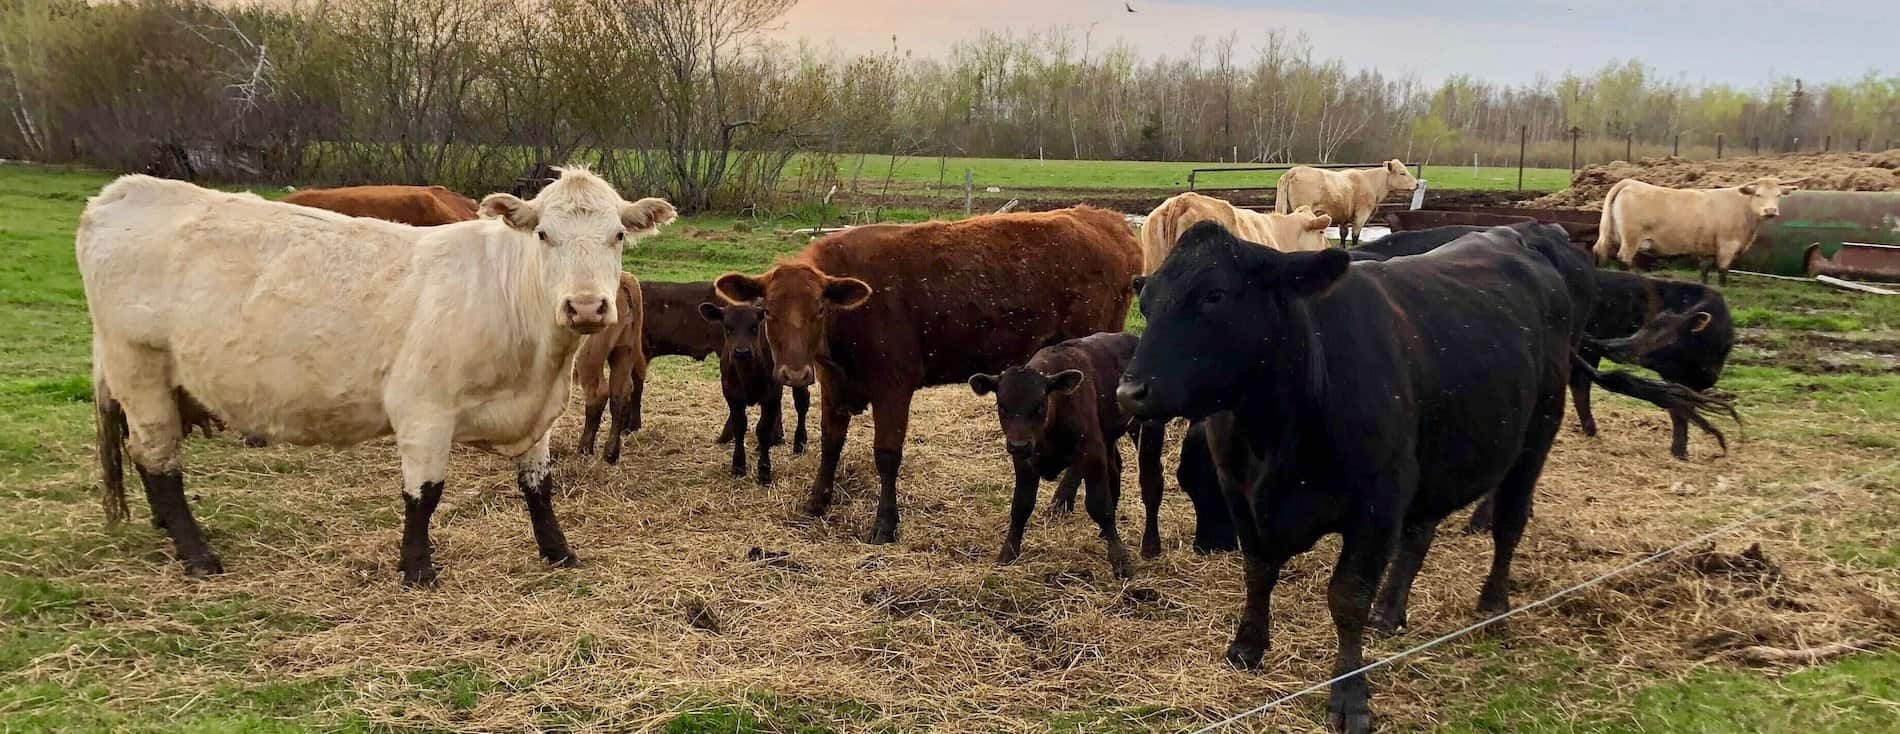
745,378
620,351
876,313
422,206
1058,412
674,327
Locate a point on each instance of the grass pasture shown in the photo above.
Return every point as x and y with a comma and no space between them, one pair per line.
1029,173
673,626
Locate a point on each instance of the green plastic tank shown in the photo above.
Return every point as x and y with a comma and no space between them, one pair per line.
1827,218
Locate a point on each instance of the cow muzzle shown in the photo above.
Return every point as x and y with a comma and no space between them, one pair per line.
588,314
1133,396
797,378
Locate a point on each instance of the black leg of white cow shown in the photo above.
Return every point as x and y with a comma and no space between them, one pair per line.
1414,543
535,476
1349,597
154,435
801,404
418,556
166,493
1021,505
1102,489
1149,438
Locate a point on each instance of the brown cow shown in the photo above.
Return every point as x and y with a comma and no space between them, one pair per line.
876,313
1058,413
674,327
618,349
422,206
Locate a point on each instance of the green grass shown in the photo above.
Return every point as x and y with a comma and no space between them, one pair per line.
1011,173
52,604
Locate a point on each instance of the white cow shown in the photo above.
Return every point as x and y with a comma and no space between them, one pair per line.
305,326
1716,224
1351,196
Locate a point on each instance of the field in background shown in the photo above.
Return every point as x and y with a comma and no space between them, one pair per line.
98,631
914,171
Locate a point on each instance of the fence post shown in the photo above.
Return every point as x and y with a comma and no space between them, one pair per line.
1675,148
969,190
1827,144
1758,145
1523,135
1857,142
1629,143
1574,133
1718,145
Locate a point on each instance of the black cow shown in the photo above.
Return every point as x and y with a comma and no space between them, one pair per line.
1370,399
745,378
1688,343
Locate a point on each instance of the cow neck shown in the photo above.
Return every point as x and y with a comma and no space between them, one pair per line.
1292,382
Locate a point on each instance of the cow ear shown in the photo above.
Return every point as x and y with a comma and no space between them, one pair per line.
511,209
1702,319
1395,165
847,293
1140,280
1312,273
739,287
1065,381
712,312
982,384
1319,223
646,214
1748,189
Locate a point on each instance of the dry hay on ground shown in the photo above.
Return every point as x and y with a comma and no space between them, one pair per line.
1827,172
672,607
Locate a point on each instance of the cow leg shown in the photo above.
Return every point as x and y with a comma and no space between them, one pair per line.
1021,504
1414,542
1480,520
590,424
1349,597
770,425
154,437
626,419
1359,227
1213,522
892,418
627,376
424,448
1253,635
1580,394
536,479
801,403
1678,435
1102,484
1707,265
834,420
735,415
1513,497
1148,444
1063,501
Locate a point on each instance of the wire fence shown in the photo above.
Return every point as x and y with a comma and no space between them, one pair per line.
1825,488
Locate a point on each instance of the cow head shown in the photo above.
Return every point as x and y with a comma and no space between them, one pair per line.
1304,230
573,232
1688,347
742,324
1398,177
799,300
1217,309
1764,195
1027,402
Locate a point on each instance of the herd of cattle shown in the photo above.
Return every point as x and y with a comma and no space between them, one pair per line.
1369,391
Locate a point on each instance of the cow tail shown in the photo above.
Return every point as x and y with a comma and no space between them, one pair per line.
109,418
1606,226
1158,234
1282,204
1695,406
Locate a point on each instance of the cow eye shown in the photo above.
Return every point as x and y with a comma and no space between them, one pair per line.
620,236
1212,298
542,235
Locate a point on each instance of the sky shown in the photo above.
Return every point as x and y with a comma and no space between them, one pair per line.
1741,42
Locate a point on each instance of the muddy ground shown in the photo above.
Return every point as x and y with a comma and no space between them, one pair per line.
1825,172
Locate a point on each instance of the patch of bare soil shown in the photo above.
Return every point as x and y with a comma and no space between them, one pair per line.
1825,171
696,586
1818,353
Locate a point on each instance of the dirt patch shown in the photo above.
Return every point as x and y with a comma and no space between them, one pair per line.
1818,353
1826,172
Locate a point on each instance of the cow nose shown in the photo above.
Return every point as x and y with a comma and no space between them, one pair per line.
796,378
1017,448
742,353
587,314
1771,212
1131,395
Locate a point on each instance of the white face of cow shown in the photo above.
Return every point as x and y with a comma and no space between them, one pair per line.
1764,195
577,228
1399,177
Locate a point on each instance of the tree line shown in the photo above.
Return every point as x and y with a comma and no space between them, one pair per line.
691,98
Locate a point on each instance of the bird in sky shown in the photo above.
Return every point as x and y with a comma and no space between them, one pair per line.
1130,8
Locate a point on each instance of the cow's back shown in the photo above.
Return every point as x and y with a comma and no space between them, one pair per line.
421,206
951,299
673,326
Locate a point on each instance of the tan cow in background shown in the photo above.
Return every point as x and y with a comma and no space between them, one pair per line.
1298,231
305,326
1717,224
1350,196
422,206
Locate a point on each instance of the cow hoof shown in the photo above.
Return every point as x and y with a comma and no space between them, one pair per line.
1061,509
611,457
764,479
584,450
202,566
738,470
254,442
815,507
1387,622
1123,570
425,578
798,446
881,535
1150,548
1245,655
1008,555
565,559
1477,525
1349,722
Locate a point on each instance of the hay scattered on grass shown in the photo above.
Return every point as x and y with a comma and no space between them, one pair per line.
700,587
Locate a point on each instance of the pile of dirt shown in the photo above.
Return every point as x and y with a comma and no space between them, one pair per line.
1825,172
